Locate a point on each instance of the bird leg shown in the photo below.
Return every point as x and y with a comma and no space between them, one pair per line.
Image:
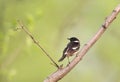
68,60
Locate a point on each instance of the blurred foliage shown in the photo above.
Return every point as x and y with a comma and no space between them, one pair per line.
51,22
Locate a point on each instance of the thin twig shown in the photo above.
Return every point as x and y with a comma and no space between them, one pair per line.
60,73
36,42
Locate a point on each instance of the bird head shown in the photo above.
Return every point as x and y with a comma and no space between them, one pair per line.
73,39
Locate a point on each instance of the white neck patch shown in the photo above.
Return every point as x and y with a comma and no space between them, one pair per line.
76,41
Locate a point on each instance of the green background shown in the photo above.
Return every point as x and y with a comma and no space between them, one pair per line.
51,22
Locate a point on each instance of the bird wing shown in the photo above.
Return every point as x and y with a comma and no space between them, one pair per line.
65,52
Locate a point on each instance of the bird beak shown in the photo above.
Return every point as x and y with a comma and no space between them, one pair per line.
68,38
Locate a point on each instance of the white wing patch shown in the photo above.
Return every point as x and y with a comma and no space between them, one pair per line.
74,48
66,52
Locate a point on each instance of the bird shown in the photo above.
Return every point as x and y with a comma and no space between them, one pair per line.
72,47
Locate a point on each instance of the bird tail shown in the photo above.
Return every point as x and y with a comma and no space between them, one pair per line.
62,58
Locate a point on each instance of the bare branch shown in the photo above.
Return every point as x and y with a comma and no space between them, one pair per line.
35,41
61,72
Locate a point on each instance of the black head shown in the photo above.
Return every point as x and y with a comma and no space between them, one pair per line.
73,39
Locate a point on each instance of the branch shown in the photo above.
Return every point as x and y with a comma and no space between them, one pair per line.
35,41
61,72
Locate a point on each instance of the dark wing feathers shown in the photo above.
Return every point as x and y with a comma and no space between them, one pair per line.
64,55
69,50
